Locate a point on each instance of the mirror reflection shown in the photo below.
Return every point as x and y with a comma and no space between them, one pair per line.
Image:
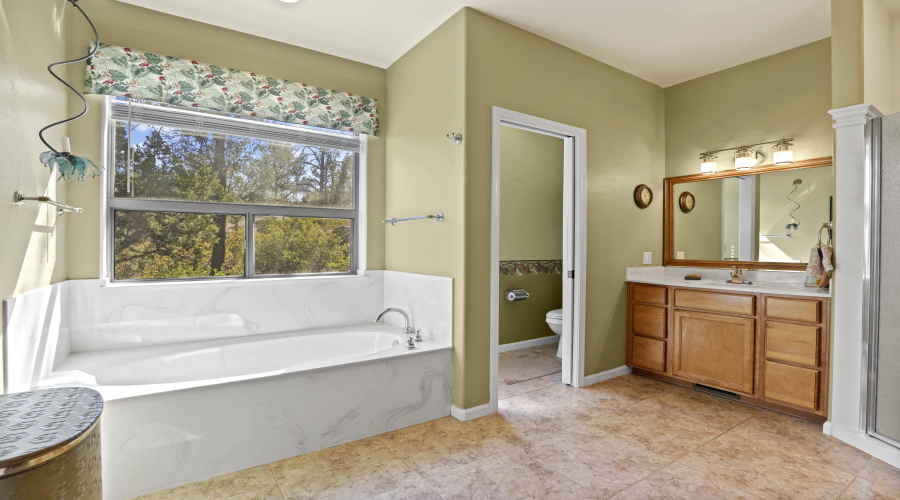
767,217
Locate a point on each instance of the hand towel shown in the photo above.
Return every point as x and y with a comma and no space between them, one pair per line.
826,253
815,267
820,261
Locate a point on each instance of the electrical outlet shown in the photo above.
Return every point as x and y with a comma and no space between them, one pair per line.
679,255
648,257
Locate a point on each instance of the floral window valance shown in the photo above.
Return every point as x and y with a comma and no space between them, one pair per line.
124,72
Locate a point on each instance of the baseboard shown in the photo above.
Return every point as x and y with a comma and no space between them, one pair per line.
529,343
608,374
873,446
470,413
827,428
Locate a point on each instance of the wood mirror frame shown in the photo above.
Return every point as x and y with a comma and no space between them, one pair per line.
669,207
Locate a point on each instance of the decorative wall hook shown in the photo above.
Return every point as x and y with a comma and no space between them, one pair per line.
453,136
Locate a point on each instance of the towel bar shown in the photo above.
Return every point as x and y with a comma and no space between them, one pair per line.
19,198
439,217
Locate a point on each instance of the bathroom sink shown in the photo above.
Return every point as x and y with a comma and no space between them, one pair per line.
745,283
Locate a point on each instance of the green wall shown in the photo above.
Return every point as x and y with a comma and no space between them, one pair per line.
179,37
527,319
426,170
624,117
448,83
846,53
531,195
531,212
784,95
33,247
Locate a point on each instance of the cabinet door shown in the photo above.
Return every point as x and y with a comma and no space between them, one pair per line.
715,350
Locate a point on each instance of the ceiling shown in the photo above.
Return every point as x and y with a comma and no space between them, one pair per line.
662,41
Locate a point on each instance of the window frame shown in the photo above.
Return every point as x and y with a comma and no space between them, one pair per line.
111,204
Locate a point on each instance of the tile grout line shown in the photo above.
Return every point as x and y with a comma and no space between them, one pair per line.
277,482
640,445
846,488
436,492
556,471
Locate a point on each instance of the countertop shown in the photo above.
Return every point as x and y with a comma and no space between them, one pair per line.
771,282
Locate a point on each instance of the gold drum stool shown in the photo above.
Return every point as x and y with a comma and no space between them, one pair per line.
50,444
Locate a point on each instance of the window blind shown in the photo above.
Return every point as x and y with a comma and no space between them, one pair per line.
244,127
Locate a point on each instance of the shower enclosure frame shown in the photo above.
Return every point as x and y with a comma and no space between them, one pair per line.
871,283
574,236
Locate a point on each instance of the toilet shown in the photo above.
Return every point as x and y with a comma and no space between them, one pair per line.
555,321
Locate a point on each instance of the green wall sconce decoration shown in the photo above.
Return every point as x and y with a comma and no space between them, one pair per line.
66,164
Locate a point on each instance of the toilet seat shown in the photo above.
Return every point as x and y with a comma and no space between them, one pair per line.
555,316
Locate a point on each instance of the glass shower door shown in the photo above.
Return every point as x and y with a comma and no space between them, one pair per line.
882,408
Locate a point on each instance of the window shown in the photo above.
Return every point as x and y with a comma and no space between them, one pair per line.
201,195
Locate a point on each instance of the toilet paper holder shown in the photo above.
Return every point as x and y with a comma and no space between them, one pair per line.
515,295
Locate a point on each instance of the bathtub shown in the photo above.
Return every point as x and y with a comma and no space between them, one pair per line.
298,366
167,367
179,413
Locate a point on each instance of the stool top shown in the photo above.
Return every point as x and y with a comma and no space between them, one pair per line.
36,423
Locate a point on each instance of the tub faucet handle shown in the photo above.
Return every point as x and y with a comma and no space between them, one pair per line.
419,335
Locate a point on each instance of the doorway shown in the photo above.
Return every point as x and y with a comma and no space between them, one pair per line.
573,246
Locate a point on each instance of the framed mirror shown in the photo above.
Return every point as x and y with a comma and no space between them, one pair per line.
766,217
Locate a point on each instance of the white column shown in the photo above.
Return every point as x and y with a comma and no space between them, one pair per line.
852,179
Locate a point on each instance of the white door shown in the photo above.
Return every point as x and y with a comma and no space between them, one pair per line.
568,259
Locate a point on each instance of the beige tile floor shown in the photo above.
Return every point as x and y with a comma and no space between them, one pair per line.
528,365
626,438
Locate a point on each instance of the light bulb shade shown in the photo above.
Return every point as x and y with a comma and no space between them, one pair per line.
708,164
783,154
744,159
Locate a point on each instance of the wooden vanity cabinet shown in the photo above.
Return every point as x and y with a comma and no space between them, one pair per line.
769,350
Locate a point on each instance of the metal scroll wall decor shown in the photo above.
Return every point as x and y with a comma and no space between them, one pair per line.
67,164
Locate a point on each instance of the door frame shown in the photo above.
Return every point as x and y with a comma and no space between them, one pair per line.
575,245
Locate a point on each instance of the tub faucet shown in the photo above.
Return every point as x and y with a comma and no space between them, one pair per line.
407,330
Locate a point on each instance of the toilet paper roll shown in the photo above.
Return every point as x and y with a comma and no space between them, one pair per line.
516,295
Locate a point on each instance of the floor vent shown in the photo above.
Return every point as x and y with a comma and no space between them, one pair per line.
716,392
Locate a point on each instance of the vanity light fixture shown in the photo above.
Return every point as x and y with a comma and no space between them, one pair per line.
749,156
783,154
708,163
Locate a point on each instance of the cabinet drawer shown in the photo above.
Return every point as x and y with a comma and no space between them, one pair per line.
793,343
648,353
793,309
792,385
649,294
649,321
716,301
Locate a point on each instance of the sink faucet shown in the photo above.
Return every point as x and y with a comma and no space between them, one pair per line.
407,330
737,276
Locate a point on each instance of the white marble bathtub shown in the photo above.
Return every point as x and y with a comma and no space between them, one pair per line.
285,375
151,369
178,413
